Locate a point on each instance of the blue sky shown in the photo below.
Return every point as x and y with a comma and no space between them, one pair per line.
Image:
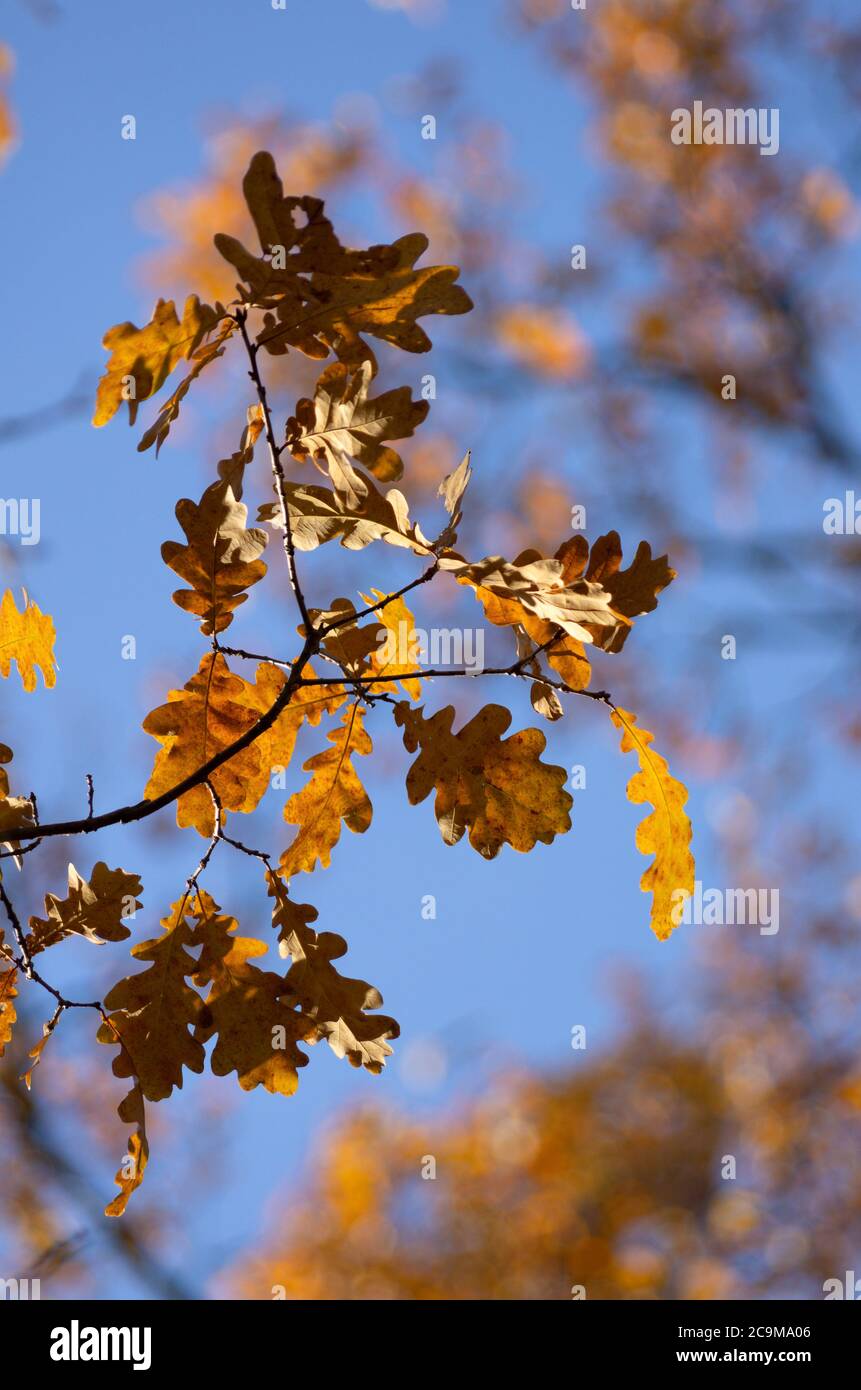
522,948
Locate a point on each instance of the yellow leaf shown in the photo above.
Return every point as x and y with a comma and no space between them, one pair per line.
8,993
201,358
27,638
666,831
500,791
212,710
334,794
399,652
143,358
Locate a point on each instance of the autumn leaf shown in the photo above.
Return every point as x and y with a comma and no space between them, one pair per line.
232,470
353,508
500,791
337,1005
347,293
152,1014
343,418
131,1172
540,587
143,358
666,831
334,794
202,357
452,490
212,710
93,909
14,810
27,638
8,993
632,591
399,651
251,1011
221,559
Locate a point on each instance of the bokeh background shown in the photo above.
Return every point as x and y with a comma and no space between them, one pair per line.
601,387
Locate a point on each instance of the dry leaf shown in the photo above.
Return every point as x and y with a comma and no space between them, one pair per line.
500,791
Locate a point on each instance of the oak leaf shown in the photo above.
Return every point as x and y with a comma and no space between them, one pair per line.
221,559
152,1014
212,710
346,293
666,831
27,638
252,1011
94,909
8,993
336,1004
148,355
130,1173
334,794
353,508
343,418
500,791
201,358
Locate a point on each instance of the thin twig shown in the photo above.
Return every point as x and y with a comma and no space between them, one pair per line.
277,469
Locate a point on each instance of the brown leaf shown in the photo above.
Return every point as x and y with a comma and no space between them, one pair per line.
152,1014
212,710
346,293
500,791
221,559
334,1003
93,909
251,1011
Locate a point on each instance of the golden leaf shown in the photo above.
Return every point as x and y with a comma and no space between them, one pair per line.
212,710
666,831
27,638
342,418
500,791
221,559
399,652
201,359
8,993
334,794
144,358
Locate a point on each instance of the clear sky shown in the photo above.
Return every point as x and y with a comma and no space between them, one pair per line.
522,948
